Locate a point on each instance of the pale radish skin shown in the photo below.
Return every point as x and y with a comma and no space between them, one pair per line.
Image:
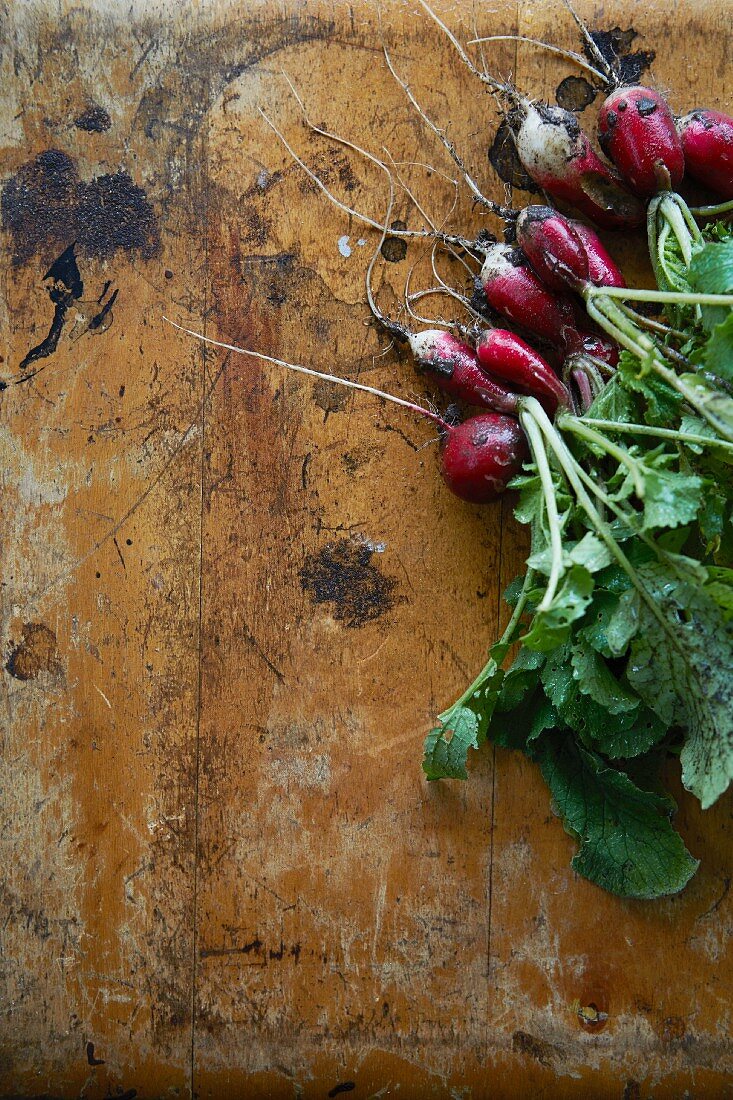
556,153
637,130
707,142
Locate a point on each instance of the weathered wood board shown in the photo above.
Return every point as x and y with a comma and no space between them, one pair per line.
233,599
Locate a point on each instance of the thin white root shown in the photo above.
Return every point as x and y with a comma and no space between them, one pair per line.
577,58
309,371
445,142
611,76
496,86
418,234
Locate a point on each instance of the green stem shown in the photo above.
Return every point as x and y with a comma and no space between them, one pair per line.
671,213
611,317
651,325
614,321
653,239
572,470
506,639
584,431
647,429
534,436
663,296
712,211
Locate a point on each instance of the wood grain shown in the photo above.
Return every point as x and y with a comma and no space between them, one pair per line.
234,599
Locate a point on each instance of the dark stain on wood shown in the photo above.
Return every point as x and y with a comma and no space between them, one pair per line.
94,119
615,46
342,574
575,93
46,204
539,1049
35,653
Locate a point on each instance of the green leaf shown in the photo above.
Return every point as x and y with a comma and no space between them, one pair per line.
680,663
711,272
595,679
662,402
695,425
614,403
591,553
718,352
518,728
446,747
551,628
670,499
624,734
598,617
521,679
627,844
624,622
717,404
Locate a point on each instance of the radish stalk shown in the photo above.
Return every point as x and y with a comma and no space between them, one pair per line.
618,325
712,211
647,429
587,433
539,455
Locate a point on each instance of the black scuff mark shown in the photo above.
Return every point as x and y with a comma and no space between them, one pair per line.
575,93
504,158
90,1056
627,65
93,120
67,287
342,574
343,1086
101,321
46,204
394,249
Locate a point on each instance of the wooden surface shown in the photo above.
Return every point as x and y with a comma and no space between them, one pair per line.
233,600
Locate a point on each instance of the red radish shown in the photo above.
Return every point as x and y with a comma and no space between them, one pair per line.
478,457
553,247
452,365
482,455
505,355
637,131
514,290
563,252
558,155
449,363
602,269
707,141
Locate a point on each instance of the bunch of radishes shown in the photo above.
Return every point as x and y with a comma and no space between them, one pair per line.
536,281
